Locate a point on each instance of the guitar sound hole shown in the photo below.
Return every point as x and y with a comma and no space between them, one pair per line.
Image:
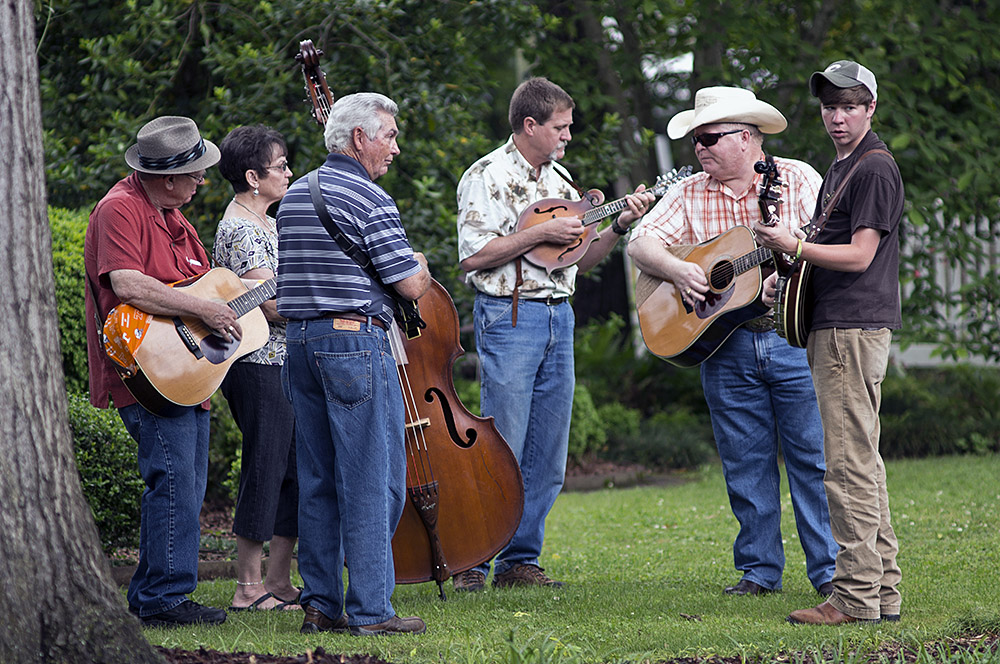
721,276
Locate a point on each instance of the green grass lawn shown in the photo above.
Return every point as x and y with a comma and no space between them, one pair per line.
645,568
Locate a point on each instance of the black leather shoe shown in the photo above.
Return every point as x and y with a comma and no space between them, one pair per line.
186,613
745,587
825,589
316,621
890,617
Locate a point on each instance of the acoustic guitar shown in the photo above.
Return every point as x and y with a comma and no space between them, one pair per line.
555,256
686,335
171,362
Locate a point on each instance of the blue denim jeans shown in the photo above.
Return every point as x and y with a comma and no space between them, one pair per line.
760,394
352,471
173,462
527,386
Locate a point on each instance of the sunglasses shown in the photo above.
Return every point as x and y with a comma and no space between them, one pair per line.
708,140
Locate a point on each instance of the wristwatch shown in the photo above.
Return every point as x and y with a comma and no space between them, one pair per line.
618,229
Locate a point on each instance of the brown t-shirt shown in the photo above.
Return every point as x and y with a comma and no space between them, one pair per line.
873,199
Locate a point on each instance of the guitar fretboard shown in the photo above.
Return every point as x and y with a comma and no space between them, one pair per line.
663,183
253,298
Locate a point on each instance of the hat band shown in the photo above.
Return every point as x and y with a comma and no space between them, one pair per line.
167,163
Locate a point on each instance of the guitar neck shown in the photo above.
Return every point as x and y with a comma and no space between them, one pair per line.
751,260
253,298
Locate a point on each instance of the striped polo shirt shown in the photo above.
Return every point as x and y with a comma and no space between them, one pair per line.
314,275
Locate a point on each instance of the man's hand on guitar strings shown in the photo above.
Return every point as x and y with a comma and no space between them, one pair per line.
638,204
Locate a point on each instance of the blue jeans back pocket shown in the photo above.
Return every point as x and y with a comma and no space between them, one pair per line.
347,377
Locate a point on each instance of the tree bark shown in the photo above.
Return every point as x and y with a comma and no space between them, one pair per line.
57,601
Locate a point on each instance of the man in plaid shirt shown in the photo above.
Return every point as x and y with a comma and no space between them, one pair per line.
758,388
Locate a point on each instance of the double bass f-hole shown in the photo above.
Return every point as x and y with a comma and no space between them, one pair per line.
470,434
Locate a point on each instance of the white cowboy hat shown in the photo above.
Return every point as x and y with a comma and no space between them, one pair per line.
725,104
171,145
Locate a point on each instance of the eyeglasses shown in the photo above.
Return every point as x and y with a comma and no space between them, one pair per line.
198,179
708,140
281,168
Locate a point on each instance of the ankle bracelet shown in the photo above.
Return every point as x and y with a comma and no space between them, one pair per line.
249,583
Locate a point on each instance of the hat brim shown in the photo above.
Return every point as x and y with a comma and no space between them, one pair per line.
207,160
761,114
833,78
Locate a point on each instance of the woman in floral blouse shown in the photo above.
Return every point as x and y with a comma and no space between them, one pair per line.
255,161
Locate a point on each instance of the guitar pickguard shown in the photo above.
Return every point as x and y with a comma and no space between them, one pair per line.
217,350
714,302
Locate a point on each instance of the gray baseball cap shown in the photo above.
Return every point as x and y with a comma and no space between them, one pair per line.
845,74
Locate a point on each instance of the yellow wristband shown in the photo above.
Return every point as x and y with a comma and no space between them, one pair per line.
798,250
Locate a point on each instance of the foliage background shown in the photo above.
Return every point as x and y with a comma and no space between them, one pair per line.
108,67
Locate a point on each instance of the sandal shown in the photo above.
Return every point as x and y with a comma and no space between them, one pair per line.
257,602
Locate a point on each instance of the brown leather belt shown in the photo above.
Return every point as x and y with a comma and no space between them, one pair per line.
550,300
343,315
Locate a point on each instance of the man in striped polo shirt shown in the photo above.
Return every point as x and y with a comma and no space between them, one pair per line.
340,374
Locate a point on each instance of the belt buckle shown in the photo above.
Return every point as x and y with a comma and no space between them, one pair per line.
760,324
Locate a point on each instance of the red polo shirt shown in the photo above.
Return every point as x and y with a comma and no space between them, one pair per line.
126,232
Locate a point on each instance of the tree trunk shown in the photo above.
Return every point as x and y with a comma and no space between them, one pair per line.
57,601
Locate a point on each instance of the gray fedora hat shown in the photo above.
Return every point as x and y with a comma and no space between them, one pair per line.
171,144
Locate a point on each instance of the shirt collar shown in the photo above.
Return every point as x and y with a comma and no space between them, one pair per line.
342,162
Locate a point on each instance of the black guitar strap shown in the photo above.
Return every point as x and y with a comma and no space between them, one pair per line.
406,312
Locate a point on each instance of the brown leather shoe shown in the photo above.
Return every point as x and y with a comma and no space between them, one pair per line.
394,625
316,621
745,587
524,575
469,581
824,614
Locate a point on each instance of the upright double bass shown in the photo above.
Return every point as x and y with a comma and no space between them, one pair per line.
464,487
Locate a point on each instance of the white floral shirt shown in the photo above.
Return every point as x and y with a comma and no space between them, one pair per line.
241,245
491,195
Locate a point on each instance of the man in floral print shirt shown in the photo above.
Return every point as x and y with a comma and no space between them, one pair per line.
523,320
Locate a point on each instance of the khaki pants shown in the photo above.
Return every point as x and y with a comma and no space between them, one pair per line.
848,366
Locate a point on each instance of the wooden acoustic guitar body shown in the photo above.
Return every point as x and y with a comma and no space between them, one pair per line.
687,335
171,376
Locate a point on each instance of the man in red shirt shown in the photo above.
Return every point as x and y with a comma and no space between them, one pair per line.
138,242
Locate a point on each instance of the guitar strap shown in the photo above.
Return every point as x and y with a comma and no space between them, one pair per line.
406,312
817,226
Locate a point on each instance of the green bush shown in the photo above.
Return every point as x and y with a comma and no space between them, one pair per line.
586,431
930,412
68,230
109,473
224,453
677,439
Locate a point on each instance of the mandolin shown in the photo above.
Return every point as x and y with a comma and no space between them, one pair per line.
554,256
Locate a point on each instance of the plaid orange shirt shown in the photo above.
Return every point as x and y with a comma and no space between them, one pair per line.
700,208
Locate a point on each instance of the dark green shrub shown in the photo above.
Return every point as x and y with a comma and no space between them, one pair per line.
670,440
619,421
109,471
613,370
68,230
949,410
586,432
225,445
